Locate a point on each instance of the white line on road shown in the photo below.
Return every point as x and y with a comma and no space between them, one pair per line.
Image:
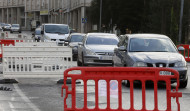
32,106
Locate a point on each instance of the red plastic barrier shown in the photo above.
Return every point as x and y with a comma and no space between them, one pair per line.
6,43
119,74
186,51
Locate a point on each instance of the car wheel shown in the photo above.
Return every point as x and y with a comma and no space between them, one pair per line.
79,63
20,32
183,84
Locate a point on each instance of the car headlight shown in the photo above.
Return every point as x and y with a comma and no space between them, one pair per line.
139,64
90,52
181,64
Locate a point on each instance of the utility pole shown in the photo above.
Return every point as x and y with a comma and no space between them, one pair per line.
180,23
100,16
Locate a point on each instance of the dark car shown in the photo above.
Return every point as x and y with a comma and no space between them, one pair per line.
73,40
151,50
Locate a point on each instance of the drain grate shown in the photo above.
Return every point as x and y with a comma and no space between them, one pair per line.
2,88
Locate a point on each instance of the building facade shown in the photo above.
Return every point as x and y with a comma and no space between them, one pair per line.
71,12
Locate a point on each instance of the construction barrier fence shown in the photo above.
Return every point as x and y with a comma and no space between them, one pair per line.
186,52
109,74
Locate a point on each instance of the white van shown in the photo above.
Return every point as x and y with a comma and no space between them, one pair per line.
55,32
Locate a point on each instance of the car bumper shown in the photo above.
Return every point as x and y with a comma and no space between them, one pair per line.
182,73
98,60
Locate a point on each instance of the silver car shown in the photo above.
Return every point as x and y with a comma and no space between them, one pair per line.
151,50
97,49
15,28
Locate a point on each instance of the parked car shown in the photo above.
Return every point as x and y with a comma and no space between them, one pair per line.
37,34
73,40
2,24
15,28
151,50
55,32
97,49
6,27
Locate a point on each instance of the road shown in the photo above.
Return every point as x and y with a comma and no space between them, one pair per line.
45,95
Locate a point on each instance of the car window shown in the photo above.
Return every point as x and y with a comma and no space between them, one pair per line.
38,32
15,25
76,38
102,40
61,29
151,45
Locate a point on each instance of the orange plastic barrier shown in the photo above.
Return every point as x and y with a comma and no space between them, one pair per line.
119,74
186,51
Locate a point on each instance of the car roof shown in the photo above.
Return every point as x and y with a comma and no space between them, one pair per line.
100,34
146,36
55,24
78,34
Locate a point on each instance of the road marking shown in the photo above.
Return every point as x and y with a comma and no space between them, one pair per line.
28,102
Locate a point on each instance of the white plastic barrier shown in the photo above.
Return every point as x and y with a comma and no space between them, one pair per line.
36,61
34,43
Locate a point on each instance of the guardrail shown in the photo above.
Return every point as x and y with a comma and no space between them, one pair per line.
186,52
119,74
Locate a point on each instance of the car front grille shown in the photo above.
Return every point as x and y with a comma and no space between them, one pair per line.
105,53
103,61
160,65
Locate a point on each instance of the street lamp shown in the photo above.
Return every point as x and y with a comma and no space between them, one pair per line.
100,15
180,23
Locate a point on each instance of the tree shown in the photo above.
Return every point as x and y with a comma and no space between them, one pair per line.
143,16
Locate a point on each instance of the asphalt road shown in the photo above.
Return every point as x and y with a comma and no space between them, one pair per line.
45,95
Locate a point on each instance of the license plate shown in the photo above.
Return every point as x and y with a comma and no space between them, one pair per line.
165,73
106,58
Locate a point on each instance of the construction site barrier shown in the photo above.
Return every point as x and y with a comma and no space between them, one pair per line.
186,52
36,61
5,43
119,74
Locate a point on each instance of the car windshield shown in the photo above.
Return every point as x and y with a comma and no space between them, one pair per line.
38,32
15,25
76,38
60,29
151,45
102,40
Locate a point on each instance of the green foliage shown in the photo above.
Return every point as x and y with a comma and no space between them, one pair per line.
142,16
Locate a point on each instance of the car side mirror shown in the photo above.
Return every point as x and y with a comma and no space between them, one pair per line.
42,32
180,48
122,48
